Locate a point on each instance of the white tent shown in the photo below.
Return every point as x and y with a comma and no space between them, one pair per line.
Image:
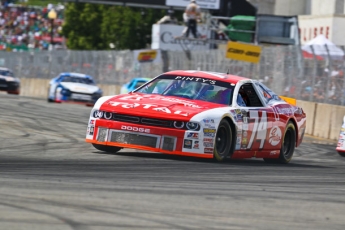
320,45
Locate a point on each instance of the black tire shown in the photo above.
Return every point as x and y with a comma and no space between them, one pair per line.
223,141
288,146
341,154
106,148
48,99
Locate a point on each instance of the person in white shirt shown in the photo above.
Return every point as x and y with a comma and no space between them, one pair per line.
193,14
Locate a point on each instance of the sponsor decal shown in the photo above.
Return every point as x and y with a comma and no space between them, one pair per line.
273,153
90,129
187,144
285,110
135,129
275,136
243,146
246,120
210,126
209,130
92,122
206,121
245,133
208,150
245,127
209,134
244,141
196,145
197,79
208,140
193,135
208,144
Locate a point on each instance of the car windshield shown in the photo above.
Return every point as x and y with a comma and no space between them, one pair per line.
195,88
6,73
139,83
78,80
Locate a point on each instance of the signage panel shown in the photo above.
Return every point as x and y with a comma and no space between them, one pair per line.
204,4
243,52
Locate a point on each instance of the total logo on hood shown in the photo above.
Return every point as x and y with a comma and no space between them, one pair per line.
80,87
156,105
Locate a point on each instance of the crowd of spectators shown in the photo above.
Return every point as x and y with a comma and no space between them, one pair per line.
24,27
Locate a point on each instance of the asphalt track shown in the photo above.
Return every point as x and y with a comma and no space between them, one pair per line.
51,179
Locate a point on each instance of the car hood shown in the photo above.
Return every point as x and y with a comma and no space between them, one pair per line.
9,78
156,106
79,87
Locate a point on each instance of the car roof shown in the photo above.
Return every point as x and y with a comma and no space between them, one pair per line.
73,74
4,68
209,75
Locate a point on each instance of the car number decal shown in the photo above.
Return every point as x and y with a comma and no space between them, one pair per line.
259,129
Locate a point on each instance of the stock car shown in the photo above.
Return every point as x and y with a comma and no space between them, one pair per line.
133,84
341,140
199,114
73,87
8,82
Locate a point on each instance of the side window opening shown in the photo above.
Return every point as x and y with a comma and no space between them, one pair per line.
250,96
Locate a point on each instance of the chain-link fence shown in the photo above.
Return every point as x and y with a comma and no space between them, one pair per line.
288,70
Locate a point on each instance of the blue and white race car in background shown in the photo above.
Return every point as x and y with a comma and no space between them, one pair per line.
73,87
133,84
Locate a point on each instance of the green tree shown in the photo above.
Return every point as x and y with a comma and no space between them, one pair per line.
94,27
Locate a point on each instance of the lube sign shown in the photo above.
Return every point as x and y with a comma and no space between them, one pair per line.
204,4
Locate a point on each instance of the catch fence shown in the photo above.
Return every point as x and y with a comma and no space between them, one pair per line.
288,70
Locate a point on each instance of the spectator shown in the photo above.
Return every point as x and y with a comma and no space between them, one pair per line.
24,27
192,14
169,18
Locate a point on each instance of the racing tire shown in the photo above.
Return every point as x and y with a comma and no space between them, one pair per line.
107,148
288,146
341,154
17,92
223,141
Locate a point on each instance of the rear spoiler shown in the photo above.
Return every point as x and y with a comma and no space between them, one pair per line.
291,101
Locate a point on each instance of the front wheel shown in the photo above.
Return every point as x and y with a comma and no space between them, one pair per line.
107,148
341,154
223,141
288,146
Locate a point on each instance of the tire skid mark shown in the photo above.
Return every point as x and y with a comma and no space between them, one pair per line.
71,223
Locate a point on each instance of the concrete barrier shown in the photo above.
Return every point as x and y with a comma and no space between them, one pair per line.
110,89
309,109
33,87
336,121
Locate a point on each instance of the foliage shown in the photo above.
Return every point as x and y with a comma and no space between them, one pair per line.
42,3
95,27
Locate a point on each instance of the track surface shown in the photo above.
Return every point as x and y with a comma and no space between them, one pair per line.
51,179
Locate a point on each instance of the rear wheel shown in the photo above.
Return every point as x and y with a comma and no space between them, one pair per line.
341,154
223,141
288,146
106,148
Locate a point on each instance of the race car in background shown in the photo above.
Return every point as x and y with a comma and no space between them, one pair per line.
341,140
133,84
200,114
73,87
8,82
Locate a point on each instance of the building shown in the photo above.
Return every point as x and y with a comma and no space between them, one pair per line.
315,17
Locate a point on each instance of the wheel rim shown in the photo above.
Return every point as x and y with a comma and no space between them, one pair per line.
287,142
221,143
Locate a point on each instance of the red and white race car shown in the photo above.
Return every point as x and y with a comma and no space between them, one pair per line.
200,114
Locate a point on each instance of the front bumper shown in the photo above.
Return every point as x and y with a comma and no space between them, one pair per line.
148,138
9,85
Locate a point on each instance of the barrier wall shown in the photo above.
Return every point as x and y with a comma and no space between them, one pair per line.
323,120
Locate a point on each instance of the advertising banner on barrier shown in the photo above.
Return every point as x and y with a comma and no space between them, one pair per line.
204,4
243,52
146,55
164,37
